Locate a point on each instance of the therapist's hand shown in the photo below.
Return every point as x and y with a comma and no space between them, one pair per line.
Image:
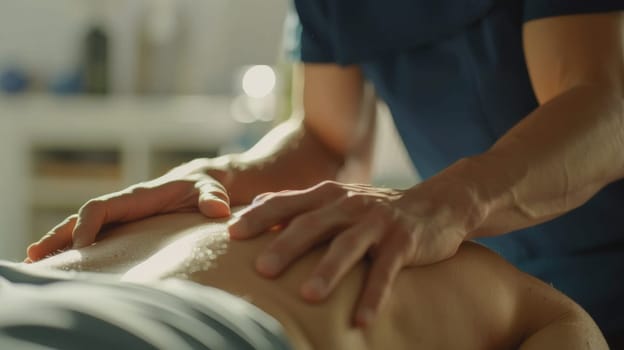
418,226
185,188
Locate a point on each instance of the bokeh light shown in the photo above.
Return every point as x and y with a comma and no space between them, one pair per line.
259,81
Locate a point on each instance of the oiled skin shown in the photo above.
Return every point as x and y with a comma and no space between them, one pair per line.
475,300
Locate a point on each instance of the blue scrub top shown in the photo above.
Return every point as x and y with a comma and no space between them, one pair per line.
454,76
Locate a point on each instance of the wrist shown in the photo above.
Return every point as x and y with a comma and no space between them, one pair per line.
469,190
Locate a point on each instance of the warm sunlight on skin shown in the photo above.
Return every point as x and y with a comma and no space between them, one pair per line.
182,258
75,257
160,253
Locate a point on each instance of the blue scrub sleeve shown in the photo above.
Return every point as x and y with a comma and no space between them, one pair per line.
535,9
313,49
315,44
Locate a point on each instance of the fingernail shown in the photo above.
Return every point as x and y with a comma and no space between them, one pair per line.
314,288
215,208
269,263
27,261
364,317
238,227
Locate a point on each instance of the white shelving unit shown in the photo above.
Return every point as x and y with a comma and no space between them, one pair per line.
139,138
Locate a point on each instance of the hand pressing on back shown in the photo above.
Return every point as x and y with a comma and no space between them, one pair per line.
184,188
393,228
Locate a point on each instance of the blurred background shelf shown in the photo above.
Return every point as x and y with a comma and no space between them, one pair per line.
69,193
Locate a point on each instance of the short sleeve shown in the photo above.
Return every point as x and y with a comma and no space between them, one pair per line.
315,45
313,49
535,9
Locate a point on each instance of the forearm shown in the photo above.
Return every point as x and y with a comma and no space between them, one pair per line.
553,161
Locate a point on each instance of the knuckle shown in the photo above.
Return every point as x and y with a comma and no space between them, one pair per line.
93,205
327,183
258,197
328,186
275,198
271,200
137,189
262,197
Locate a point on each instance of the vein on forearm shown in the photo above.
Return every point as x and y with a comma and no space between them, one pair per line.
553,161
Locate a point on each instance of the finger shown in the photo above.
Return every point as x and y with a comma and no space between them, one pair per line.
212,186
91,218
214,201
273,211
379,284
345,251
213,206
303,233
59,238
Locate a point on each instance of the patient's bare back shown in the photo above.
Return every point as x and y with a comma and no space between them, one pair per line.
475,300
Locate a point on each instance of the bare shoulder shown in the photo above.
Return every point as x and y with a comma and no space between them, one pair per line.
540,315
487,303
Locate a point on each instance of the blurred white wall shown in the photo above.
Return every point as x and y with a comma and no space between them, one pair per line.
392,166
230,34
214,38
